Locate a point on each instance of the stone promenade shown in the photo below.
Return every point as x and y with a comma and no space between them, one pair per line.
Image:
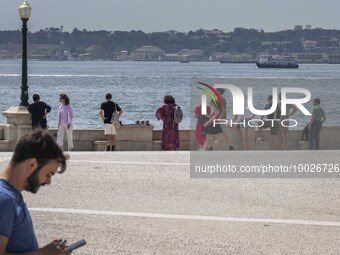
146,203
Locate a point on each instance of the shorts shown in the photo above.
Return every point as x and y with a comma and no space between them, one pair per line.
110,129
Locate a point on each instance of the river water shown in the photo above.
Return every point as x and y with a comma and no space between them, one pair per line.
139,87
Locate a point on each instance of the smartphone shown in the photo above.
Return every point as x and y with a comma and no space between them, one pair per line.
75,246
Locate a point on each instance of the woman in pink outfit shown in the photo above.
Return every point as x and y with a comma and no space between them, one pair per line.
65,116
170,134
199,134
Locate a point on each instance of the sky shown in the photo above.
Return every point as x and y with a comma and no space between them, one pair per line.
180,15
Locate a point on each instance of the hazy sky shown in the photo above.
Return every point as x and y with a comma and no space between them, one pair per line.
180,15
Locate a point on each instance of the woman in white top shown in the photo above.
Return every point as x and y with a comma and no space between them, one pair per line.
65,116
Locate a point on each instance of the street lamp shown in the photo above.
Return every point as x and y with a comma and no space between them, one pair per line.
24,12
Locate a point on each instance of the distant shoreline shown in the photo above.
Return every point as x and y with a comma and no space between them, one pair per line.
191,61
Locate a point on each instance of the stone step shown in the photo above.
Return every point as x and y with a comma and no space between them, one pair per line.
184,145
303,145
2,133
156,145
262,145
4,145
124,145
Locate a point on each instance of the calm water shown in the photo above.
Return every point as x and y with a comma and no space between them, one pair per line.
139,87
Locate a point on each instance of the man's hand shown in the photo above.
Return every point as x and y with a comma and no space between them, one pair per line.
68,126
53,249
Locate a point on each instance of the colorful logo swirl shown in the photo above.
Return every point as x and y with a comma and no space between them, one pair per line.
211,91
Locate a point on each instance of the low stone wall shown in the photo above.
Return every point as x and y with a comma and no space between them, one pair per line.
329,139
145,138
129,137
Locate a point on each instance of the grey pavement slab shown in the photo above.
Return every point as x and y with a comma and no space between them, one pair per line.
127,203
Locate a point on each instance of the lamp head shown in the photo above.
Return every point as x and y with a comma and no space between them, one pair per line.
25,10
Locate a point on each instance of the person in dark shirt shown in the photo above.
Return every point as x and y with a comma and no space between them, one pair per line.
315,124
107,109
38,111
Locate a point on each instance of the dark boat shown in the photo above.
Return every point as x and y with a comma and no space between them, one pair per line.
269,61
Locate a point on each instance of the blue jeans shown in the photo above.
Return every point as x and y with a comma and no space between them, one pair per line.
314,135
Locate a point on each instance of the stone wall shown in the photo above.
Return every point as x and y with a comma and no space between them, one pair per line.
145,138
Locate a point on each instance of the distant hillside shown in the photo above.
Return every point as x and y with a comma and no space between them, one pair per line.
51,43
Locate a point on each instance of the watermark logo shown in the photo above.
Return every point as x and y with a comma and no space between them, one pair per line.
239,102
238,99
211,92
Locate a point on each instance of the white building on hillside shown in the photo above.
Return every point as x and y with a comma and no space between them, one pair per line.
147,53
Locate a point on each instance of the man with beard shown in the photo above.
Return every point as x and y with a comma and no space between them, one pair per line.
35,160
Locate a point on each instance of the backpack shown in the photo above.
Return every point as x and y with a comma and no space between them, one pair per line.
178,114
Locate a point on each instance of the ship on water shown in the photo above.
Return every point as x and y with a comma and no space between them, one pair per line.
269,61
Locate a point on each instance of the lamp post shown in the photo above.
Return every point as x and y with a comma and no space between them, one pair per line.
24,12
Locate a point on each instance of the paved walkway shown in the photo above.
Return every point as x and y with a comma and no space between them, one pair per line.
146,203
